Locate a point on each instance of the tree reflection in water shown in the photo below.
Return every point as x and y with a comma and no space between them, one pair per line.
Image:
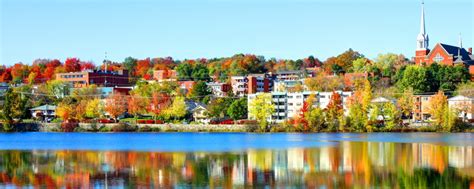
348,164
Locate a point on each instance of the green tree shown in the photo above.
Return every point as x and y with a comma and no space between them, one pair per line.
218,107
14,108
199,91
200,73
238,109
415,77
184,71
261,108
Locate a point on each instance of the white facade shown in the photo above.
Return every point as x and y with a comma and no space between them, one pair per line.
463,105
288,105
216,89
239,85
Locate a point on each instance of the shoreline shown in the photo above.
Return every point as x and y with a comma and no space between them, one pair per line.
196,128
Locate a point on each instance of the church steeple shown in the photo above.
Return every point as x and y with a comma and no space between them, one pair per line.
422,39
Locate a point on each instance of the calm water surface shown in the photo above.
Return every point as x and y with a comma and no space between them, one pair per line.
236,160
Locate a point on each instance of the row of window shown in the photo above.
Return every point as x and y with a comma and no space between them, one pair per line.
72,76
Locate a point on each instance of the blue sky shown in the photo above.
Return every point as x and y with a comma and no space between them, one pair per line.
293,29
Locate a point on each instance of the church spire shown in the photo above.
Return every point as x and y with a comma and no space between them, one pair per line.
422,39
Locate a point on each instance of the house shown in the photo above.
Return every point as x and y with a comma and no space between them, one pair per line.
186,86
379,103
462,104
198,110
45,112
98,77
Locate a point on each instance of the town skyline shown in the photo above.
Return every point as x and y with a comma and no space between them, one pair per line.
204,41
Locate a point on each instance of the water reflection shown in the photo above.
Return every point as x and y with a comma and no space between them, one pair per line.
347,164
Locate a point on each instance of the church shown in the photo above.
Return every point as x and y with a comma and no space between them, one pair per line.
441,53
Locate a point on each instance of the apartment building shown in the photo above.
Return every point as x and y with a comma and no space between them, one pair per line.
288,105
421,107
251,84
219,89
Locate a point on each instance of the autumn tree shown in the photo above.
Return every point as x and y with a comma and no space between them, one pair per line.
177,109
334,111
94,108
437,106
405,102
261,108
72,65
116,104
159,102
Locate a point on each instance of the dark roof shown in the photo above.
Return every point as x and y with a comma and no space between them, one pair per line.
455,50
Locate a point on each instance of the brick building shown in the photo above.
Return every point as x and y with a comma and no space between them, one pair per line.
421,108
251,84
98,77
164,75
441,53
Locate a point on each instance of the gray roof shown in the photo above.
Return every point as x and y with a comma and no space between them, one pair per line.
44,108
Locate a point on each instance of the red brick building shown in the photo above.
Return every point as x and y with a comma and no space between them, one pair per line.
441,53
161,75
98,77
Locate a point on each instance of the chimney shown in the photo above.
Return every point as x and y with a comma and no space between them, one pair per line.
470,51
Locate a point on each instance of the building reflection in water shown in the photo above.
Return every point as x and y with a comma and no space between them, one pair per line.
347,164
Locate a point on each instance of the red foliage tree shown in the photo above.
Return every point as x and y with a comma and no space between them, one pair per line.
6,75
159,102
87,66
72,65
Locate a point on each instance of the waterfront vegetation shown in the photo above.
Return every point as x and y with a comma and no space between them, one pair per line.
389,75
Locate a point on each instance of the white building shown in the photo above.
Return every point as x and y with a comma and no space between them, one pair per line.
288,105
462,104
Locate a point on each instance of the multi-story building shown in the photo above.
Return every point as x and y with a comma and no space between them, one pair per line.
285,80
421,108
165,75
251,84
98,77
288,105
219,89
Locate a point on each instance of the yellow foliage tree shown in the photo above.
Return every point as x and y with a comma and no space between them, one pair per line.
260,108
438,106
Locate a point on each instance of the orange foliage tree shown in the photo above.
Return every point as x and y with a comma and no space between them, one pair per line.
116,104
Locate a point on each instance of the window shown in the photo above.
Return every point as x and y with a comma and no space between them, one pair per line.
438,58
290,104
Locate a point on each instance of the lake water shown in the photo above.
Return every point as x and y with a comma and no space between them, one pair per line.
236,160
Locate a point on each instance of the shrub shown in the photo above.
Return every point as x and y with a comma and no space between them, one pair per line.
141,121
122,127
149,121
69,126
145,128
104,129
79,129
